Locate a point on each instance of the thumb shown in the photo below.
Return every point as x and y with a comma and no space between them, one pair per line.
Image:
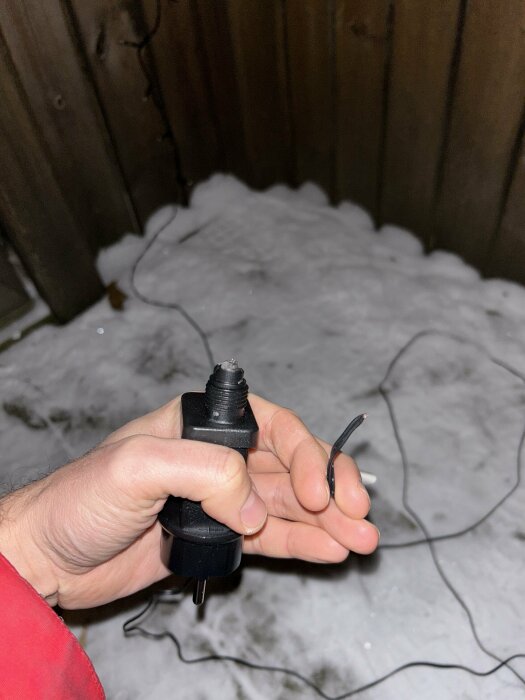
150,469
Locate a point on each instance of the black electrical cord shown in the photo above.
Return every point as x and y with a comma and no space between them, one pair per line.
130,628
507,494
338,446
164,304
152,90
383,390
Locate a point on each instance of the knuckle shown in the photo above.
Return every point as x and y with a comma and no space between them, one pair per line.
231,471
128,454
289,416
286,416
257,544
291,544
168,417
280,501
134,447
366,503
293,415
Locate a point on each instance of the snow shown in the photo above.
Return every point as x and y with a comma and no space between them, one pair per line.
315,305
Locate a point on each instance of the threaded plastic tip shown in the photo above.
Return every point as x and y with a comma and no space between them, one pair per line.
226,393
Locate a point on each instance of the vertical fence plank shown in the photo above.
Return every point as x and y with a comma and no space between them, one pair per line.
257,30
309,30
507,255
179,58
362,45
110,33
423,47
68,116
213,30
485,118
39,224
330,90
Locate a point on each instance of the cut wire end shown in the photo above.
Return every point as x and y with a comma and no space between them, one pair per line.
338,446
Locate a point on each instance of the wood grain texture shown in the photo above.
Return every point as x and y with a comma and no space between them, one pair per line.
38,222
107,30
257,30
67,113
423,47
181,70
213,28
310,46
486,112
362,47
506,256
411,108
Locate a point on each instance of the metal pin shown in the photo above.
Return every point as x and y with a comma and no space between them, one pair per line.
199,591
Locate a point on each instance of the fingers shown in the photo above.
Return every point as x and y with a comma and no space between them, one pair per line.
353,533
262,461
163,422
282,539
148,469
350,494
286,445
293,447
285,435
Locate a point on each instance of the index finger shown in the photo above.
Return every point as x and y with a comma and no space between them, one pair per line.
164,422
283,433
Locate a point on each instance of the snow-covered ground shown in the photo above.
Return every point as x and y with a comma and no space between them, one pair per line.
314,304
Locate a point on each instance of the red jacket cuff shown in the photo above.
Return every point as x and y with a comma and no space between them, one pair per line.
39,656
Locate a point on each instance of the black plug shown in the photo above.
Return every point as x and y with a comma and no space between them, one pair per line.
194,544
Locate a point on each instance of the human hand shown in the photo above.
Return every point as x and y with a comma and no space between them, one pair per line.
88,533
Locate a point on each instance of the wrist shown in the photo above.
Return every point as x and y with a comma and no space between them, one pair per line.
18,546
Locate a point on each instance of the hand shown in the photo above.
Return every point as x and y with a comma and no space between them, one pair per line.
88,533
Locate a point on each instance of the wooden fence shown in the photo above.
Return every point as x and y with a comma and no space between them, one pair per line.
413,108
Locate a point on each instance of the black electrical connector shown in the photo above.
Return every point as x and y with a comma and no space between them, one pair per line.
194,544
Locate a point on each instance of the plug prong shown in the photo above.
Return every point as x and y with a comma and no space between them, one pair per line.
199,591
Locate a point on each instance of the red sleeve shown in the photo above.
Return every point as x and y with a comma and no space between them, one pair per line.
39,656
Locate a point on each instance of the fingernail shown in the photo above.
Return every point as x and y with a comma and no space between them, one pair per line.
363,490
253,513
